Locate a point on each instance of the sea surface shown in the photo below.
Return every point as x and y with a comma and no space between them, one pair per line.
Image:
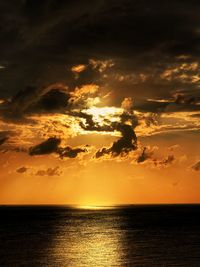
136,235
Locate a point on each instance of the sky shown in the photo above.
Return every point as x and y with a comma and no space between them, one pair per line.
99,102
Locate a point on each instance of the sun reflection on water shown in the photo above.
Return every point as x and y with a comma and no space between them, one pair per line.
89,239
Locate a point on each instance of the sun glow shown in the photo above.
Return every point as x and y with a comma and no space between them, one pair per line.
101,113
93,207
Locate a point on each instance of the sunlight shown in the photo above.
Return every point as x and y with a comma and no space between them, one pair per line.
93,207
88,242
101,113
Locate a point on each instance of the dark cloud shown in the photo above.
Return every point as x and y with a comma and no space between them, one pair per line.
184,107
196,166
41,40
164,162
148,155
55,101
90,125
183,102
144,156
177,102
129,117
151,119
169,160
107,126
151,106
123,145
182,99
52,145
68,152
54,98
195,115
47,147
49,172
32,99
22,170
128,140
3,140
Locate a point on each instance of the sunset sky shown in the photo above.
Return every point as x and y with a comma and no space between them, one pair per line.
99,102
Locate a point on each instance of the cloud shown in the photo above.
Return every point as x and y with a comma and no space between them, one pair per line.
78,68
117,32
151,119
196,166
101,65
47,147
178,101
22,170
52,145
168,160
128,140
123,145
84,96
49,172
36,100
87,89
151,158
144,156
162,163
44,41
3,140
55,100
68,152
90,125
182,99
127,104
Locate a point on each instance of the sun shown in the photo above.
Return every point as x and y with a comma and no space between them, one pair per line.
94,207
101,114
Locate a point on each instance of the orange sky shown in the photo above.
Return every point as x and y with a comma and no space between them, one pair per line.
86,180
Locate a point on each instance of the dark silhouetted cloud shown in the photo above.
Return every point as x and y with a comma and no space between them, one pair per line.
196,166
36,100
3,140
47,147
49,172
68,152
144,156
169,160
52,145
42,40
123,145
22,169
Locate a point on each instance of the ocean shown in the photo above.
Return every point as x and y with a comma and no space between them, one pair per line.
134,235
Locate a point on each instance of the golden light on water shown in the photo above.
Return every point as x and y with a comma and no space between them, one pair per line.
88,240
